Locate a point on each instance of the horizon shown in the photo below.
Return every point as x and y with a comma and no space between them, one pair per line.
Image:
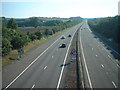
54,17
62,9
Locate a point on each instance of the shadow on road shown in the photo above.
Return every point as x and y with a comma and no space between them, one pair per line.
72,61
108,45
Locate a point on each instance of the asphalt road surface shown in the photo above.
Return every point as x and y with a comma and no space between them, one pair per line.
100,66
46,71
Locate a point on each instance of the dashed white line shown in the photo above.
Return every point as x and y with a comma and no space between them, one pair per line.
52,56
96,55
114,84
45,67
92,48
102,65
33,86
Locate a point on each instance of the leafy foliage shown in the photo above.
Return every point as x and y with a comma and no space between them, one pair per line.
38,34
108,27
6,46
14,39
12,24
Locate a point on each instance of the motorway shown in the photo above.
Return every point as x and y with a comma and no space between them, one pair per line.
46,71
101,67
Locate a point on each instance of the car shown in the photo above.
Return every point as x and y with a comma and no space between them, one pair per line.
63,37
69,35
63,45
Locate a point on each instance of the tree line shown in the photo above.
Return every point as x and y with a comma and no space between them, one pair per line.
12,38
108,27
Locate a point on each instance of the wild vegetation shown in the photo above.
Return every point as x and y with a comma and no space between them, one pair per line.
108,27
13,38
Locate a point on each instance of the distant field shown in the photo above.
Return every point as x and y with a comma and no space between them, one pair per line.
32,29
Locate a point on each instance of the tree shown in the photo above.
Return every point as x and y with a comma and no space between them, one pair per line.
12,24
54,31
38,34
34,21
50,32
33,36
46,32
19,41
6,46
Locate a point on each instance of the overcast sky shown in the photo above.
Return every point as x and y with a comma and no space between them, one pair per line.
59,8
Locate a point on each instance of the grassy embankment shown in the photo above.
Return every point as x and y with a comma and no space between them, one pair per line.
12,56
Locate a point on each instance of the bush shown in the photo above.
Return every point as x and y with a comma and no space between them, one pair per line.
12,24
33,36
6,46
19,41
38,34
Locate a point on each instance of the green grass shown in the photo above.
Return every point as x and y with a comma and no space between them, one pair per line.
25,27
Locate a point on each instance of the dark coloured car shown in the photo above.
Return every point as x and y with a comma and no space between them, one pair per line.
69,35
63,37
63,45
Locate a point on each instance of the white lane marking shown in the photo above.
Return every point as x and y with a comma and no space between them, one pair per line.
114,84
92,48
64,63
33,86
45,67
96,55
85,63
102,65
52,56
31,64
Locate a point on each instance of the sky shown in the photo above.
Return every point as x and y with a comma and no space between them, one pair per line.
59,8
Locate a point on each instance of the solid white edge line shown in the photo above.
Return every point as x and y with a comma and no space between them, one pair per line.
118,66
114,84
109,56
64,63
30,65
85,63
81,66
